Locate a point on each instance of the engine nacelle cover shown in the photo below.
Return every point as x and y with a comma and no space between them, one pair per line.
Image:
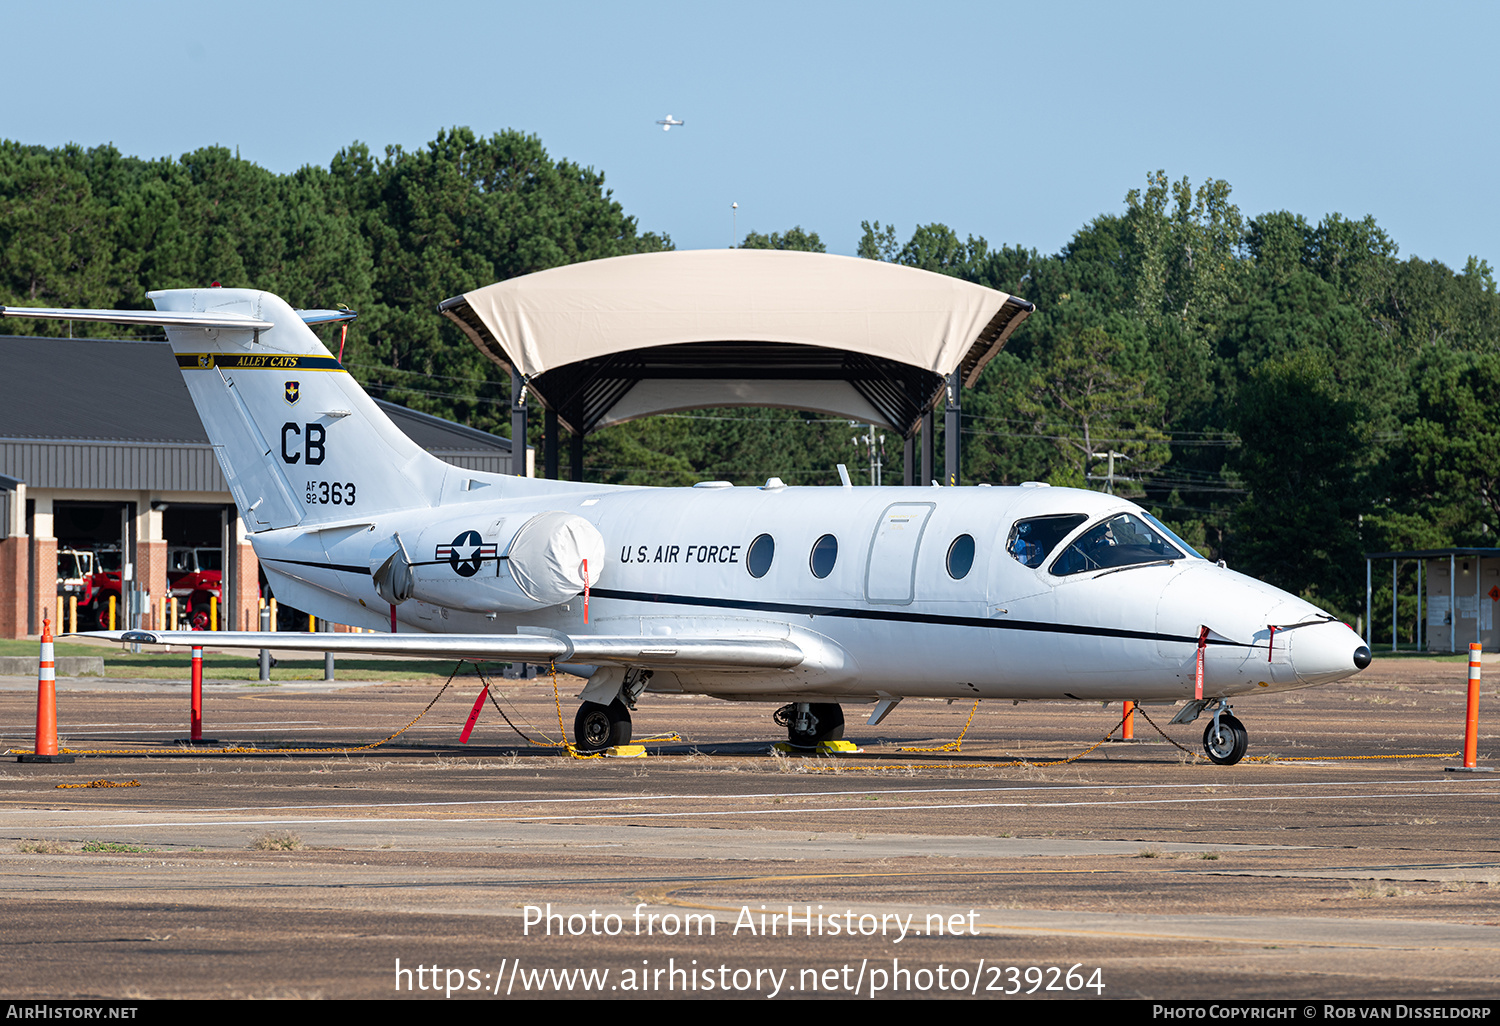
509,564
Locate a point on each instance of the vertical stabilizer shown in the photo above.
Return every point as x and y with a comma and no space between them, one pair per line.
297,438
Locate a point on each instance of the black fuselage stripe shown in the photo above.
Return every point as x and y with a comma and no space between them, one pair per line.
897,616
363,571
885,615
341,568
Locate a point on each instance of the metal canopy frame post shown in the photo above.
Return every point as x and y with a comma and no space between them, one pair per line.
1452,602
929,447
549,444
517,424
1394,604
952,429
1369,606
909,460
575,458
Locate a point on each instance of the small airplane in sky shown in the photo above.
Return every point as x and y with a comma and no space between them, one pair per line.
809,598
667,122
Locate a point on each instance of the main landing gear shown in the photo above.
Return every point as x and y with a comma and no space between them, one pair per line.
597,727
809,724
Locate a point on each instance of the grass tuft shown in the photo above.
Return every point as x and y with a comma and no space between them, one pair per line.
284,841
1377,889
113,848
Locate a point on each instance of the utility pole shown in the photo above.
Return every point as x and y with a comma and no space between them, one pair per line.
1109,480
875,445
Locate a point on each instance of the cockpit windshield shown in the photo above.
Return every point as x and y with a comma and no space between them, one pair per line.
1031,541
1123,540
1172,536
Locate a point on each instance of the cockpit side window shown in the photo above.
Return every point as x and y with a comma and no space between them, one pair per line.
1031,541
1122,540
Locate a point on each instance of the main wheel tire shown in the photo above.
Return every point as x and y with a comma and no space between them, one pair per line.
597,727
1226,746
828,725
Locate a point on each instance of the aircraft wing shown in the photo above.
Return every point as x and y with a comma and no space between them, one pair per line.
542,647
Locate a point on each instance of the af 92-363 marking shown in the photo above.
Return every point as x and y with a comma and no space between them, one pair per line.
337,493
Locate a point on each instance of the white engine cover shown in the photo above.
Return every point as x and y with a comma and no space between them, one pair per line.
509,564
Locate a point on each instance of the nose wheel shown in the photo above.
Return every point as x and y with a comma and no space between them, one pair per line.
1225,739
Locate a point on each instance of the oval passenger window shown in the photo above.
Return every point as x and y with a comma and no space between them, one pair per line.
825,553
961,557
758,559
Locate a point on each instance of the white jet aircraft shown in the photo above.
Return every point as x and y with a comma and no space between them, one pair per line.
811,597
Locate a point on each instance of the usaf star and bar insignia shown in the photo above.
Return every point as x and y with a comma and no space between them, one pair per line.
466,553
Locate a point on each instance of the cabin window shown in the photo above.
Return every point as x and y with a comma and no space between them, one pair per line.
1124,540
1032,541
758,559
961,557
825,553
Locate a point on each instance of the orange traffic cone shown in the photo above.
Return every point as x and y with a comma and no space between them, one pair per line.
46,705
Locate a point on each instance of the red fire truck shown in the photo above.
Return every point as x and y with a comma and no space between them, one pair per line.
194,575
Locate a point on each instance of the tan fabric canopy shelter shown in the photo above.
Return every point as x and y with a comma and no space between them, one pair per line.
610,340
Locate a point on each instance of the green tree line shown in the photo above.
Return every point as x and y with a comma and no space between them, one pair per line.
1287,394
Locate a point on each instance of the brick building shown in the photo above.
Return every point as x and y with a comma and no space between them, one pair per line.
101,450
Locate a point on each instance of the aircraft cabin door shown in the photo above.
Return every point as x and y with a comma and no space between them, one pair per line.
891,573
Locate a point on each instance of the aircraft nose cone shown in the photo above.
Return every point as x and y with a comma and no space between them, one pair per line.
1328,652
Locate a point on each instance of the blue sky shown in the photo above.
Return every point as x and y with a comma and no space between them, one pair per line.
1016,122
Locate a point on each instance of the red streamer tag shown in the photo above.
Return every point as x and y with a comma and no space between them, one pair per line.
463,738
1202,644
585,591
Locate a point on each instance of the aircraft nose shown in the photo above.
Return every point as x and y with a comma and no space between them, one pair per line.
1328,652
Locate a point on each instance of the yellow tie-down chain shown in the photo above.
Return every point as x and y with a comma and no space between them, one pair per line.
1197,756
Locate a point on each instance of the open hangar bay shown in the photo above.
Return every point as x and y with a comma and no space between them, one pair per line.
1345,866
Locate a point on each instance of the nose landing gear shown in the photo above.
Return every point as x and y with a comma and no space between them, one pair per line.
1225,738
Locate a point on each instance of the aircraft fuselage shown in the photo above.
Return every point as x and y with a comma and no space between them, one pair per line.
887,618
